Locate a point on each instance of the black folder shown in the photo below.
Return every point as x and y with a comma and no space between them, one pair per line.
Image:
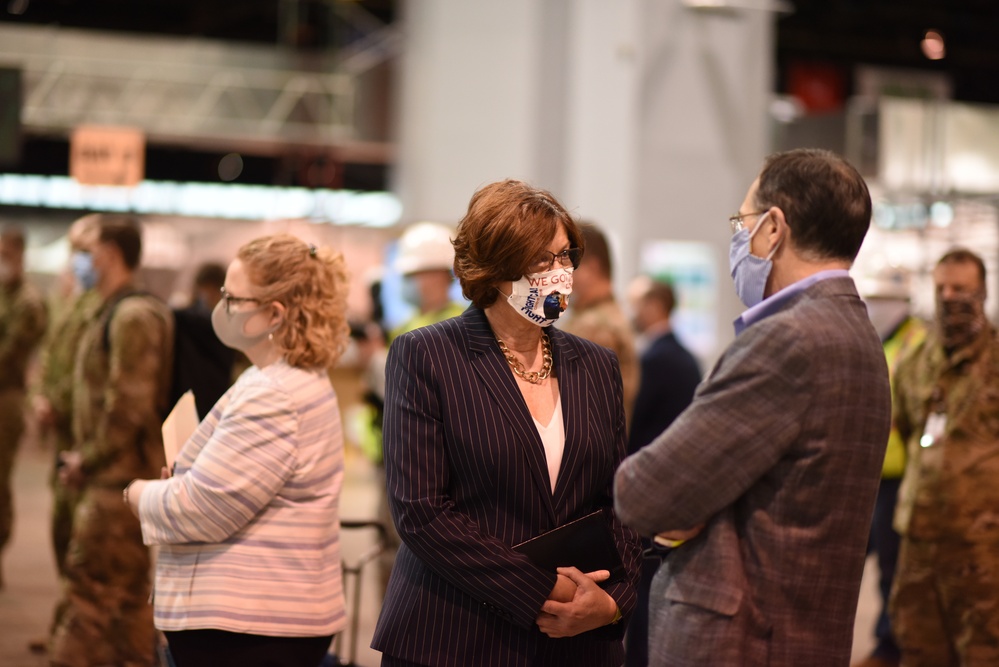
586,543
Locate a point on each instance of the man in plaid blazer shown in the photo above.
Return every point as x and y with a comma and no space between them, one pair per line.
772,472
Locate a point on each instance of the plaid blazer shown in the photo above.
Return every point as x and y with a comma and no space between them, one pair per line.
780,456
467,478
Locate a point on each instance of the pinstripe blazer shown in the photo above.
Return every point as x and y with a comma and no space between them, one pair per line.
780,453
467,478
249,523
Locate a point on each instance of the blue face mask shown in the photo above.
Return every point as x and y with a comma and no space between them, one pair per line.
83,269
749,272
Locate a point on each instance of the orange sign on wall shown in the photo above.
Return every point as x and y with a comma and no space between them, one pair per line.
100,155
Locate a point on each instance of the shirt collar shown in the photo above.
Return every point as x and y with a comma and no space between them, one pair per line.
775,302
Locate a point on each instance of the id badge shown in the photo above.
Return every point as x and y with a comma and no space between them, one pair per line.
933,432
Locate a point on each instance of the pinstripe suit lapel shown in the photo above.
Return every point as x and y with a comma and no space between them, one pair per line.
573,396
487,361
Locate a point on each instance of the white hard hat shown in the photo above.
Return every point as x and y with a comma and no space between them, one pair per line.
425,246
889,282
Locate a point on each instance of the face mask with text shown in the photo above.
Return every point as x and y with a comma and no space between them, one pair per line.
542,297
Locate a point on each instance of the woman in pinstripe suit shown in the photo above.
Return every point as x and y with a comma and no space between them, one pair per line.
499,428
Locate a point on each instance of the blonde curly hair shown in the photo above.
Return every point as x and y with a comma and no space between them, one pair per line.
311,283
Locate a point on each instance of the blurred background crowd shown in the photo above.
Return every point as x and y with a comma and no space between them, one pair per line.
364,125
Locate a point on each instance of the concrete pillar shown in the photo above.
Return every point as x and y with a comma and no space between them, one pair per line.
702,117
469,90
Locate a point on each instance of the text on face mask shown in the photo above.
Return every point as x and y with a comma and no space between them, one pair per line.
530,302
560,278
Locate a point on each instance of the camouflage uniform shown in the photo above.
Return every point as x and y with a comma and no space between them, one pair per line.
605,324
944,607
22,324
56,385
121,379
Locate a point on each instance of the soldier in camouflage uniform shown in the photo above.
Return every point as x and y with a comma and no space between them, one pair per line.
594,314
53,400
121,379
22,323
53,404
945,601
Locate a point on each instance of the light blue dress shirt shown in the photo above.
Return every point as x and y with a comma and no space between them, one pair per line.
776,301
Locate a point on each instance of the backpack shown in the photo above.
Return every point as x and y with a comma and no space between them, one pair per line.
201,363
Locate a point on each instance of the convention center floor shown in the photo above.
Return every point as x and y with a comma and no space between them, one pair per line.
30,585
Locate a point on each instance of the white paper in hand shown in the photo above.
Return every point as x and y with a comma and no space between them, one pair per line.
179,425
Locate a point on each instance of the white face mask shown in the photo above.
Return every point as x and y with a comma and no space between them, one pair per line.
542,297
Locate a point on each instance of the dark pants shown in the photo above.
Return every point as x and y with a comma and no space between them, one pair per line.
884,542
195,648
636,641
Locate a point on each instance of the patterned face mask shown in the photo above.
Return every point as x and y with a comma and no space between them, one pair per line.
542,297
961,319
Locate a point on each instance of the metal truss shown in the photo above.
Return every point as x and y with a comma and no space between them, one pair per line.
194,91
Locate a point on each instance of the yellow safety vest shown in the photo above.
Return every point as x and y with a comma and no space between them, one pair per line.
911,332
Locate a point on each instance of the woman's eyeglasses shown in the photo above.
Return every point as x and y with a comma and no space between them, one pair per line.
566,258
230,299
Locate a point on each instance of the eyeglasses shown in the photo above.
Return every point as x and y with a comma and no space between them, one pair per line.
568,257
230,299
735,221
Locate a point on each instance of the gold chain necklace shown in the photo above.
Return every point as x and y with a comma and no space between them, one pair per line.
534,377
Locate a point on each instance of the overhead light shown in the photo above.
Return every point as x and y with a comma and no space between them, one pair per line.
205,200
933,45
775,6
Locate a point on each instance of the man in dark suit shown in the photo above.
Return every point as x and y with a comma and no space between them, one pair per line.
669,376
669,372
772,472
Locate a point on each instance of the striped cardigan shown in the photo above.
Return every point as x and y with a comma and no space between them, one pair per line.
248,526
